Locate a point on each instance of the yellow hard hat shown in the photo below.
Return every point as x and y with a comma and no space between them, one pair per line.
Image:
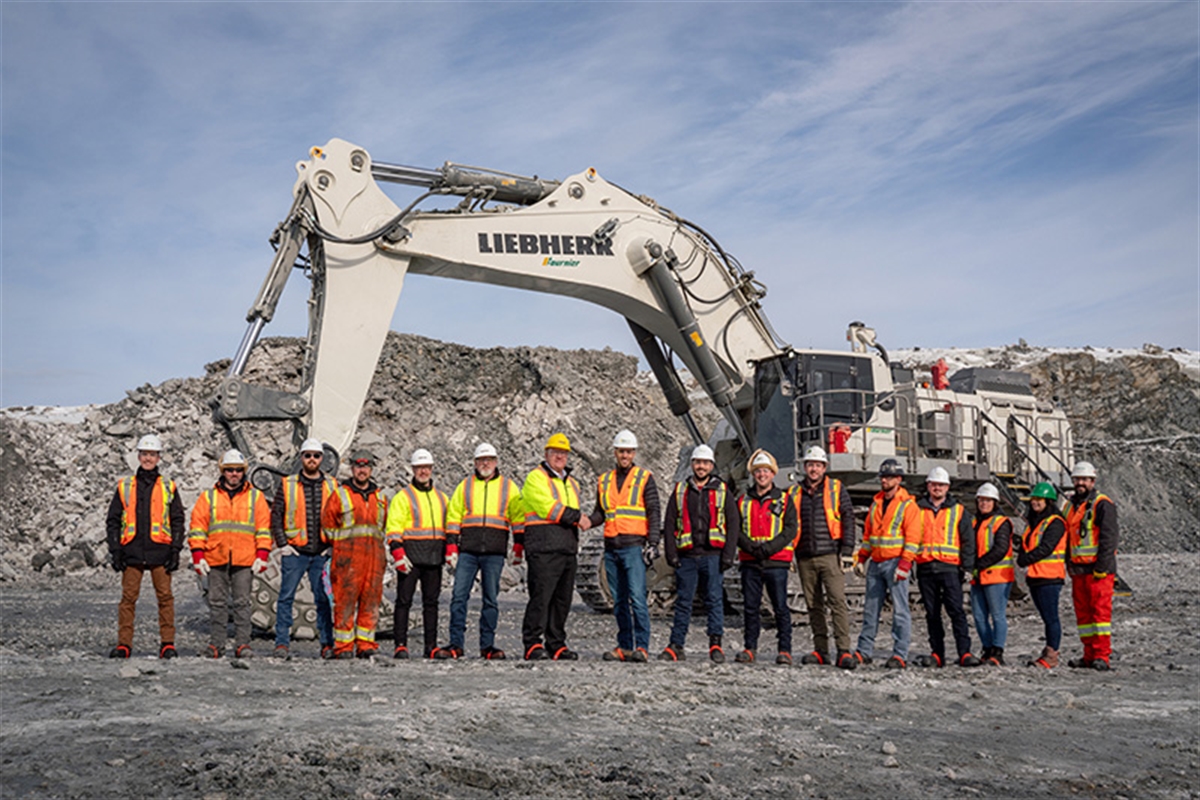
558,442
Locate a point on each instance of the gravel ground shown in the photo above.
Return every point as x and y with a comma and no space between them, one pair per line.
76,724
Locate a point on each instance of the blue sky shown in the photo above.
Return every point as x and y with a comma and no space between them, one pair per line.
954,174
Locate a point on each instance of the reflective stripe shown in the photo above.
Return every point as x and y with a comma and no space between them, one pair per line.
364,634
1053,565
567,497
428,522
295,523
887,535
1095,629
939,537
716,515
1003,571
362,526
1081,531
485,513
161,496
746,506
624,507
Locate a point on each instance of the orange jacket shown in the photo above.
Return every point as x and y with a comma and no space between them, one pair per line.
230,530
896,535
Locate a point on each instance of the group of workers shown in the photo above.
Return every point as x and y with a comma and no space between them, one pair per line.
341,534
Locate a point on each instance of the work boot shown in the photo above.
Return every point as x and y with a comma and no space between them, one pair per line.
745,657
672,652
401,652
895,662
968,660
120,651
715,653
167,650
846,661
212,651
282,651
1101,664
343,655
1047,660
327,652
996,659
616,654
864,660
366,654
931,660
243,651
639,655
1080,663
814,658
565,653
784,659
492,654
451,651
536,652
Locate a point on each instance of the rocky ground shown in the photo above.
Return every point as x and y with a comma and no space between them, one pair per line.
76,724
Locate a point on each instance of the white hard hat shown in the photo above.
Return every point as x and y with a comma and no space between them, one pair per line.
815,453
150,442
988,490
1084,469
485,450
703,453
312,445
232,458
421,458
938,475
625,440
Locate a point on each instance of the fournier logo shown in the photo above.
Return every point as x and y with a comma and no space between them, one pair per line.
548,245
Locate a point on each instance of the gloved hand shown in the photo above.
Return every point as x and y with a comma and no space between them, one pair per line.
287,550
673,563
452,556
1099,575
725,565
902,570
118,560
260,562
201,567
518,555
860,569
401,561
847,563
650,554
172,560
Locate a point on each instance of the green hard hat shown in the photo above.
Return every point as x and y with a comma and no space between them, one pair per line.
1044,491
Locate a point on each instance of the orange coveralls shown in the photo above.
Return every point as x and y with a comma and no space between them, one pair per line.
356,569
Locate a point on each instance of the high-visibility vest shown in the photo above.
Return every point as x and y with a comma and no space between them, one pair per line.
1002,571
416,516
295,523
939,534
833,513
543,488
1053,565
624,507
885,538
1081,530
160,509
493,503
759,533
716,516
230,530
368,515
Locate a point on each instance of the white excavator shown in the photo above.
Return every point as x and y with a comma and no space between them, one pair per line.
688,304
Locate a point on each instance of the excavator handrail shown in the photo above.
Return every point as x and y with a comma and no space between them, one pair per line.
1045,475
1040,443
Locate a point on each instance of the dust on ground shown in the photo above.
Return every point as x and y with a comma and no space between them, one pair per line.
76,724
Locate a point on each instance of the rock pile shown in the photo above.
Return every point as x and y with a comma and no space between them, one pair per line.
1137,416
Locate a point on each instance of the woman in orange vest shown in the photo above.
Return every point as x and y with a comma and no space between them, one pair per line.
1043,551
994,575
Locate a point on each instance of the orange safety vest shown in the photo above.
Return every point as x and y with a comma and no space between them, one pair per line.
160,509
716,516
624,507
885,538
939,535
368,516
1081,531
230,530
833,514
296,519
1003,571
1053,565
756,533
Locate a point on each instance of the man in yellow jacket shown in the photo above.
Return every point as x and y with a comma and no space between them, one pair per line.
230,539
551,545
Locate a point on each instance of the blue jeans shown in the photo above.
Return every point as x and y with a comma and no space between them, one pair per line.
1045,599
292,569
626,574
470,565
687,576
775,579
989,606
881,581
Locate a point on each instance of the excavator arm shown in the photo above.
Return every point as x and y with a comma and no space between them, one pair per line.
582,237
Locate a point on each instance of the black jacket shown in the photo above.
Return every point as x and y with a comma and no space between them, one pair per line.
697,506
140,550
760,552
1105,522
1055,531
312,511
814,528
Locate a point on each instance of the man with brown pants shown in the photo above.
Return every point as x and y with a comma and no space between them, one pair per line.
145,531
824,550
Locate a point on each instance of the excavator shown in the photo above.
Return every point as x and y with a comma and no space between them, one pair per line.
689,304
